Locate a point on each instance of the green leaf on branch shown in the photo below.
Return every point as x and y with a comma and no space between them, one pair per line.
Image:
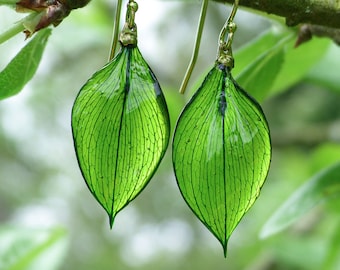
259,62
270,64
23,66
326,72
257,48
323,187
260,75
298,62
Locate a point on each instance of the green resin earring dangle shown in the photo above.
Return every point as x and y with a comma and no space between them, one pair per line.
120,124
221,147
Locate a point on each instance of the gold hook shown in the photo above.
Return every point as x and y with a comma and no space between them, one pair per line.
116,29
225,54
196,47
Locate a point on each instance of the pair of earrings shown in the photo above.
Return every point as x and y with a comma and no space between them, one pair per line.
221,146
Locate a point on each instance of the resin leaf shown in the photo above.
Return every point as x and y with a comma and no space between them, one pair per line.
120,125
221,153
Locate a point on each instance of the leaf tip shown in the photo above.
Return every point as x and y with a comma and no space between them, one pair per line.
111,220
225,247
225,251
272,226
264,233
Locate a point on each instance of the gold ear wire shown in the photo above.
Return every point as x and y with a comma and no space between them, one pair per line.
116,29
224,53
196,47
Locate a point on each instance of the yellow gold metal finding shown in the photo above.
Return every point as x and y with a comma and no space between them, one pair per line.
128,35
224,53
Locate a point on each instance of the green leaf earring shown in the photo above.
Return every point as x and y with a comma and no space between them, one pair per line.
120,124
221,147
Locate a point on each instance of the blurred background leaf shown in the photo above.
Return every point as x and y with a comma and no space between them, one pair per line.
23,66
29,249
261,73
298,62
322,73
321,188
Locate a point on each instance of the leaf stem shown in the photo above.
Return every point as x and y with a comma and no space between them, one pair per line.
196,47
17,27
319,12
11,32
8,2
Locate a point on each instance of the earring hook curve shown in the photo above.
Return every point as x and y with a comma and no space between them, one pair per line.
194,56
116,29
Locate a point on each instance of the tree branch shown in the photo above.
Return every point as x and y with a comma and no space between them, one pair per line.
316,12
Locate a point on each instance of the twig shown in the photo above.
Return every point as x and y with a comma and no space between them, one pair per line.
316,12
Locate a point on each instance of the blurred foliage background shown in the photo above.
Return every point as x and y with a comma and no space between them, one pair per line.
50,220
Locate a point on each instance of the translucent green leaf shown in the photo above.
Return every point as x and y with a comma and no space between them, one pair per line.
120,126
221,153
28,249
23,66
322,187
